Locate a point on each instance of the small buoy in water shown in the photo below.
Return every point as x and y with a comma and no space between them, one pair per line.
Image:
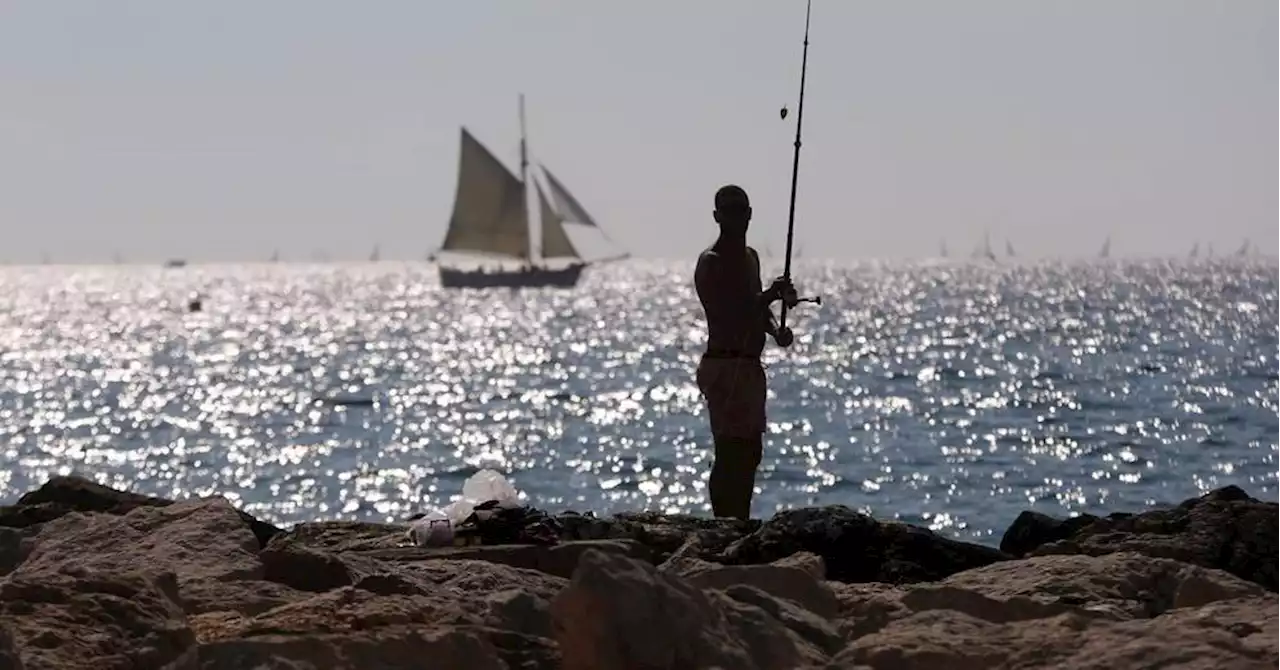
784,112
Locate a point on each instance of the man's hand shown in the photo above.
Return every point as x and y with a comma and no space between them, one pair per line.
784,337
781,289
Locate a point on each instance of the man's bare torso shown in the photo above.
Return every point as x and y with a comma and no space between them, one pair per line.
729,287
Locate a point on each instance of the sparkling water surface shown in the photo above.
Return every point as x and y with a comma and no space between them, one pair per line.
953,395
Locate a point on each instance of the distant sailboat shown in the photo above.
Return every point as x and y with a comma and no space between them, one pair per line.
1105,251
375,256
942,249
491,217
1008,249
984,250
1195,251
1243,251
275,256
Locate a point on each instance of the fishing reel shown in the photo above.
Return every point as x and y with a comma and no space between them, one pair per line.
790,299
784,336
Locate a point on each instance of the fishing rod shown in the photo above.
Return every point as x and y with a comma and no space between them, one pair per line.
785,336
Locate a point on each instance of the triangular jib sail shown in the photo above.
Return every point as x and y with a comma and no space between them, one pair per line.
555,240
489,212
561,212
568,206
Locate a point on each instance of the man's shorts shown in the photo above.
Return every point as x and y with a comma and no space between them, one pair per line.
734,389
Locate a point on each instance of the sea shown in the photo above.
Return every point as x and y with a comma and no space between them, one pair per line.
951,395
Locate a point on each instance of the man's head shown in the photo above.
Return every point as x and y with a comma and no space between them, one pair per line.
733,209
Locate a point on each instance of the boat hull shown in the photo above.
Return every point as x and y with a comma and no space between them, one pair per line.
535,277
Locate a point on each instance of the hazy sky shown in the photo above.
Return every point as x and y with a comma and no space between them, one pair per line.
224,130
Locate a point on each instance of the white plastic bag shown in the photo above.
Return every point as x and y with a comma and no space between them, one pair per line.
489,485
458,511
436,529
433,530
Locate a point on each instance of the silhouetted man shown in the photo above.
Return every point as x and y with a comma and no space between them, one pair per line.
730,376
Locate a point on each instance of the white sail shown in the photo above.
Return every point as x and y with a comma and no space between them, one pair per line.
555,240
984,250
568,206
489,211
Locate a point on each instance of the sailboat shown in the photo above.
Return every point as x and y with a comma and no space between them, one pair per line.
1243,251
1008,249
1195,251
491,217
1105,251
375,255
984,251
942,249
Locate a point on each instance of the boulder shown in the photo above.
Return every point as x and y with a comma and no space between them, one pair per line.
499,614
857,548
77,617
796,578
1033,529
383,647
1126,585
1224,529
618,613
662,534
949,640
65,494
558,559
1114,587
205,543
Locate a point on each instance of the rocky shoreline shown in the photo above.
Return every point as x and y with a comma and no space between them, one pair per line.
92,577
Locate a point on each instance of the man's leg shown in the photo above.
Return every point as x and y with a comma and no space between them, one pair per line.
733,475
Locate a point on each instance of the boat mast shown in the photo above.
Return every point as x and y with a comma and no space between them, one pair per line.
524,179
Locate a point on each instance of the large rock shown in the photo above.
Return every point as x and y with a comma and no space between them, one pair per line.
796,578
13,548
558,559
1033,529
857,548
1224,529
499,614
1125,585
950,640
74,618
65,494
662,534
1252,620
384,647
618,613
1112,587
205,543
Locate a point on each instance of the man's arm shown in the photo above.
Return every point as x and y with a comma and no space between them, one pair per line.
770,322
722,284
